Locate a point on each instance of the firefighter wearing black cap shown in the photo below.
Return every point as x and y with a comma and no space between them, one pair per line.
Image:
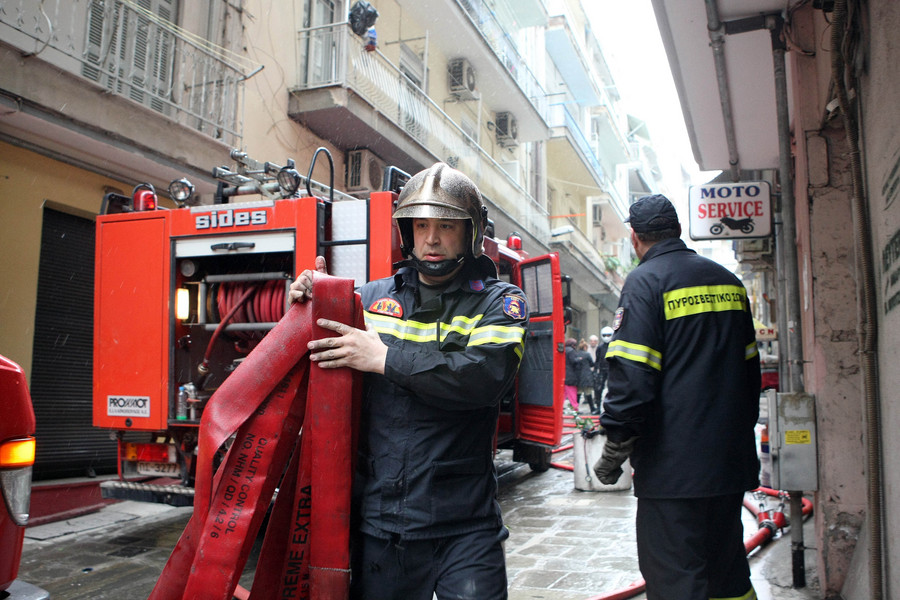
682,402
444,342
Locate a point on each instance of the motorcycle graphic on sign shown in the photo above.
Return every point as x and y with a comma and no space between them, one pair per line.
743,225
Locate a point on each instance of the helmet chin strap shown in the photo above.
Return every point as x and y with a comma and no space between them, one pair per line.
431,268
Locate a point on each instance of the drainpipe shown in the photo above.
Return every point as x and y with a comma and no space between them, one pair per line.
775,24
789,296
717,43
868,325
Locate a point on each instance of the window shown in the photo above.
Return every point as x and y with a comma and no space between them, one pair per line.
129,53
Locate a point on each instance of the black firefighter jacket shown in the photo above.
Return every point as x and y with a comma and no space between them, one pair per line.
425,467
684,376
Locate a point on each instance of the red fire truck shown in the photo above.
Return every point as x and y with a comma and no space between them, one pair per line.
182,295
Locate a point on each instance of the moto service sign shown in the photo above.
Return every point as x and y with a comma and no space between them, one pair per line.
721,211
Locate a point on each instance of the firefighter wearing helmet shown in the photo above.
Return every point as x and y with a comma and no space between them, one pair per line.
443,344
442,192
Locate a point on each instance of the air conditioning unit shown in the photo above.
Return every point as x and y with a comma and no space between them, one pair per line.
365,171
461,79
507,129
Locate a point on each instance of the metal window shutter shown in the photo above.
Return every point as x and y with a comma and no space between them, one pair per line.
67,443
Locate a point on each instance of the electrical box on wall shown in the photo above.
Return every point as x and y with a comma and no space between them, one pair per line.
792,441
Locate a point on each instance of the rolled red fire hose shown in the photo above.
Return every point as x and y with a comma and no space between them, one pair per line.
263,404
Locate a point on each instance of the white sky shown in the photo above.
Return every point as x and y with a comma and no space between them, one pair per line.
629,36
630,39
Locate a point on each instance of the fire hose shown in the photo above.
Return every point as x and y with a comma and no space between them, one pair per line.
769,522
293,423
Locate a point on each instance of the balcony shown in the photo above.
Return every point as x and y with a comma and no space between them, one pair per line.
565,126
473,30
579,160
135,54
583,261
358,99
571,62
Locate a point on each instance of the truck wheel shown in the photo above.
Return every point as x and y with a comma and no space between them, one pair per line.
542,464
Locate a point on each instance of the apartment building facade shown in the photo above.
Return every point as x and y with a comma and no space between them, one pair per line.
99,96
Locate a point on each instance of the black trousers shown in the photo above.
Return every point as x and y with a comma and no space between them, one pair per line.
600,383
470,566
693,549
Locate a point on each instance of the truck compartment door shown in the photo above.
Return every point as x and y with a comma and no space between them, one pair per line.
539,400
130,322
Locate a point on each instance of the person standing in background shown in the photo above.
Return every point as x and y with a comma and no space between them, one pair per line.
578,371
571,382
586,375
601,369
593,342
683,401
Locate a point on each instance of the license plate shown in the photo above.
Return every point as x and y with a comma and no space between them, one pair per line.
152,468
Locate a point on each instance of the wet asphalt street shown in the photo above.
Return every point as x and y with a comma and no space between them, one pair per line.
564,544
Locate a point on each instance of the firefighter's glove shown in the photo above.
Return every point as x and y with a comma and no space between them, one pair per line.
609,468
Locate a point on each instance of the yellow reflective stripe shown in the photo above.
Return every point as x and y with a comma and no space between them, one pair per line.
703,298
751,595
413,331
635,352
750,351
461,325
499,334
416,331
496,334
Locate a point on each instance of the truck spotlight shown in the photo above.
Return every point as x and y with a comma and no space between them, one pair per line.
182,304
143,197
514,241
181,191
288,181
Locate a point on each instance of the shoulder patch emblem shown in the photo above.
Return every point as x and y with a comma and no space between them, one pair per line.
514,306
618,318
387,306
476,285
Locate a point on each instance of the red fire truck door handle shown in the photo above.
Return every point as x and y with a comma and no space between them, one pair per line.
229,246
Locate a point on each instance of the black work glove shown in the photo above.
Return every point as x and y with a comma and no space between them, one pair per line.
609,468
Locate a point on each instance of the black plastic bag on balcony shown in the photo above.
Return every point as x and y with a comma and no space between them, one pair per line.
362,16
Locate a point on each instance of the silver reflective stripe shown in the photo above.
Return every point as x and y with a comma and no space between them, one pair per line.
636,353
751,350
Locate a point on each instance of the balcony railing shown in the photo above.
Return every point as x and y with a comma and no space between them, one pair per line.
331,55
499,40
561,117
136,54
